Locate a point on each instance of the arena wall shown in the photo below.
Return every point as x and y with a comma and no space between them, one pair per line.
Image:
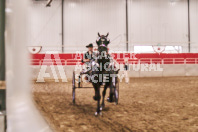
194,25
148,24
185,64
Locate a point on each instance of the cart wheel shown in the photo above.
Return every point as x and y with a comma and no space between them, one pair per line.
73,88
116,92
79,81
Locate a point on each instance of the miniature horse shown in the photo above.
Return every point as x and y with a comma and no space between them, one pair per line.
103,69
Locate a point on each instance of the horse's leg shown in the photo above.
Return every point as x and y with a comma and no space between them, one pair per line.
98,101
95,96
103,96
96,85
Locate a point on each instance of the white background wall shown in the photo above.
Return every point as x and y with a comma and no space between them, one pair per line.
194,25
151,22
45,25
85,18
158,21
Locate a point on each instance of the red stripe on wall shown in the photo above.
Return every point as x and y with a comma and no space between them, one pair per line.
73,58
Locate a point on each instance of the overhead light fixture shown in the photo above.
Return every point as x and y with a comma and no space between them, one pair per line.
8,10
172,2
72,4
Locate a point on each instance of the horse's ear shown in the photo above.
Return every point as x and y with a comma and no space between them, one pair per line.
107,35
98,34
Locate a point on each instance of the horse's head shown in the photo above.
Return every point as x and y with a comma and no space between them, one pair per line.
102,42
103,57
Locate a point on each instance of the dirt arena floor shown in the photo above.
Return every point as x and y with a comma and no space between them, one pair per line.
145,104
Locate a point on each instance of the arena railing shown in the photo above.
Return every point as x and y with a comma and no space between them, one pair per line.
120,61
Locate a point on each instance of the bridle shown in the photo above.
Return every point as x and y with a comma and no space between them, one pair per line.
103,40
102,45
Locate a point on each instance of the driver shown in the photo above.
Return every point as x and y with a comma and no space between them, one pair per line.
88,56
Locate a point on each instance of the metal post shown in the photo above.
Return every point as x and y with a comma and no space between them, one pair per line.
62,23
127,31
2,67
189,37
2,55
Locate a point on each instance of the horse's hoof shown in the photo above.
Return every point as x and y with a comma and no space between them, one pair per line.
98,113
110,100
102,107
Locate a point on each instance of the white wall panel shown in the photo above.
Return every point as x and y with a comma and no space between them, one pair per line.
150,22
191,70
85,18
174,70
194,25
45,25
158,21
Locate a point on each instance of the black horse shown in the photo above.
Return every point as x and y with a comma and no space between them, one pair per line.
104,69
